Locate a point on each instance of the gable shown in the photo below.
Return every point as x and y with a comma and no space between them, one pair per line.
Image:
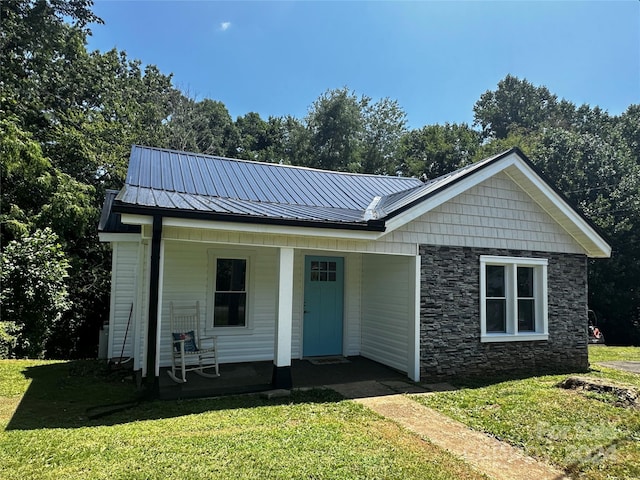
496,213
530,182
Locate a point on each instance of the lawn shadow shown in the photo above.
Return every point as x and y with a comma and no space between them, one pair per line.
85,393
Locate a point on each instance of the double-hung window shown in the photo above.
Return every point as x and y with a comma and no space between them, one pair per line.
513,303
228,300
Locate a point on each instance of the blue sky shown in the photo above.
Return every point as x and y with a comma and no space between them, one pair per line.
434,58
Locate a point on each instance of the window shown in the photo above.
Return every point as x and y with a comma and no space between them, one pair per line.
230,296
513,302
323,271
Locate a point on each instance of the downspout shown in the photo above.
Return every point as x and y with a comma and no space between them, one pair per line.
153,381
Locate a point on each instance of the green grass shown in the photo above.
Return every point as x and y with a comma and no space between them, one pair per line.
587,435
602,353
312,435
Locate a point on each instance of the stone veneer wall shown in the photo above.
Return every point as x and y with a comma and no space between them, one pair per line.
450,317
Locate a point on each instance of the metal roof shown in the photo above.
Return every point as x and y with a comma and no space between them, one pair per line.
184,184
196,186
187,182
159,170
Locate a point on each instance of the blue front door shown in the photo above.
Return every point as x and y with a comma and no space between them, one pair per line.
323,301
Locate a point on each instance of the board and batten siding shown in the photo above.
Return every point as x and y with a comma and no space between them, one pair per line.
124,274
386,310
496,213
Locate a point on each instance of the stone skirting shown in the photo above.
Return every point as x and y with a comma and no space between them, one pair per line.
450,344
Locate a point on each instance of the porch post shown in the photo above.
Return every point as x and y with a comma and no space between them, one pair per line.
282,359
413,370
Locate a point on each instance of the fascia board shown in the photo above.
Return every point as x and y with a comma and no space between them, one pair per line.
271,229
132,219
449,192
599,248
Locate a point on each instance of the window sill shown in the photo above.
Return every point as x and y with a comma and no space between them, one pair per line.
509,337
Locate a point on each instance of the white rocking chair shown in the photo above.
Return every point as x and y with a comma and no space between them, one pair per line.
187,345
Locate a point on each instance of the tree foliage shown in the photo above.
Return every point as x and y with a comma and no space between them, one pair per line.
34,294
435,150
68,118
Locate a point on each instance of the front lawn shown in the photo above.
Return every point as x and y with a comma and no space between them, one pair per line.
46,434
587,435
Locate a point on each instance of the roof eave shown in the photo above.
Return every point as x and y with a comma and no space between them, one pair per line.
367,226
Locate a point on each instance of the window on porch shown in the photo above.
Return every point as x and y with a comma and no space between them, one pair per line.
230,297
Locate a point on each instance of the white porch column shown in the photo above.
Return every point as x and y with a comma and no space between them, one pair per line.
284,320
413,368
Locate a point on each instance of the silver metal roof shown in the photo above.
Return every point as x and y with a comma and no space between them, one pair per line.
187,184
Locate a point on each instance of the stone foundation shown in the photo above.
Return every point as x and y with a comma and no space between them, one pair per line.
450,318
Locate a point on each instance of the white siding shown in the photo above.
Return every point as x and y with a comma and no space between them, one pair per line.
386,309
187,280
497,213
140,352
352,303
328,245
123,287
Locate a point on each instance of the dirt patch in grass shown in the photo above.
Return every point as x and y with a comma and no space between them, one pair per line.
620,395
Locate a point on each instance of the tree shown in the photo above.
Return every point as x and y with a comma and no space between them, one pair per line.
203,127
516,104
68,119
261,140
384,125
33,294
435,150
335,122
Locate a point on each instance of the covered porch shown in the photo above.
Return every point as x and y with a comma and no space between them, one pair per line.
297,303
250,377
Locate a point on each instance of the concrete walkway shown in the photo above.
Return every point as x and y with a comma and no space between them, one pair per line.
627,366
496,459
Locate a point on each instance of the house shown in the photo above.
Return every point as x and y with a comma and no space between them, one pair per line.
477,273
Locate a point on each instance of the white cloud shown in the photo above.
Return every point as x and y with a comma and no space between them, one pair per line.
225,26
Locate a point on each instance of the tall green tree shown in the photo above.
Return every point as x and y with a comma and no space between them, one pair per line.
203,126
515,104
435,150
33,293
336,125
384,126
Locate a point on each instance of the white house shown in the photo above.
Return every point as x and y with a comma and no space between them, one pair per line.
478,272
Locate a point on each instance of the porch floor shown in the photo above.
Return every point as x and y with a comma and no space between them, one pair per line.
256,377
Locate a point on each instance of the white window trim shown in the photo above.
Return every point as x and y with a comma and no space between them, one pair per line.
214,255
539,265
